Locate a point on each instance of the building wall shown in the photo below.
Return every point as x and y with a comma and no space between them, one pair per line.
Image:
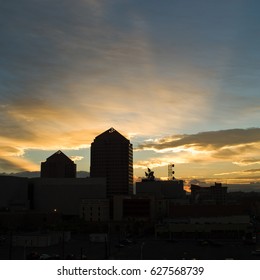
216,194
29,220
133,208
14,193
161,189
112,157
65,194
199,210
58,165
95,210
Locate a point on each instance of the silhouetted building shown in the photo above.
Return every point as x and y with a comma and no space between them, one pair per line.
112,158
161,189
64,195
216,194
133,208
205,221
58,165
95,210
13,193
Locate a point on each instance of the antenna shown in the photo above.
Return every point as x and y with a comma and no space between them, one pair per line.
171,171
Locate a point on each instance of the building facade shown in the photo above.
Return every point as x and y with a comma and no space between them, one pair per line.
58,165
95,210
112,158
64,195
216,194
161,189
14,193
133,208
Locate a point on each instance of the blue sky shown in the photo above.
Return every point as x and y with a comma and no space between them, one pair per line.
180,78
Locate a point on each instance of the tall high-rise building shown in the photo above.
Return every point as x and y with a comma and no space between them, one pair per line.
58,165
112,157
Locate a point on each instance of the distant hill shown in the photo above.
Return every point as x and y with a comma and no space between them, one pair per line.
33,174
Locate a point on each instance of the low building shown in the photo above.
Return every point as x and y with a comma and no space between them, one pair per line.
13,193
132,208
95,210
216,194
58,165
64,195
205,221
29,220
161,189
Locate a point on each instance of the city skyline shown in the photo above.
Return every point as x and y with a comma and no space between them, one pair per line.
178,79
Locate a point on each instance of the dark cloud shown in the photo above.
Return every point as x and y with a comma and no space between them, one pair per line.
249,161
46,45
252,170
209,140
196,182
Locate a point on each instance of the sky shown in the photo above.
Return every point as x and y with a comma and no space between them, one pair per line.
179,78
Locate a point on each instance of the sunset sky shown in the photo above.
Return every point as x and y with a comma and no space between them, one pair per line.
179,78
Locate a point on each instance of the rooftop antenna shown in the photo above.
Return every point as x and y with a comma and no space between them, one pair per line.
171,171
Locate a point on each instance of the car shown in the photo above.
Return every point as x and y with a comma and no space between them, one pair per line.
45,257
120,245
203,242
126,242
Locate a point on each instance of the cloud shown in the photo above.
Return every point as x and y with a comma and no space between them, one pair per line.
80,64
72,69
76,158
252,170
241,172
209,140
151,163
250,161
234,145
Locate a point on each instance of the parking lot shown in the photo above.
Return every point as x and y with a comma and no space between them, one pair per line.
80,247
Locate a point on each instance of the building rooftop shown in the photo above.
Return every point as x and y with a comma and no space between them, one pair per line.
111,134
59,155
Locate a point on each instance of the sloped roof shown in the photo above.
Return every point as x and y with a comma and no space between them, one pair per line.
59,155
111,134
